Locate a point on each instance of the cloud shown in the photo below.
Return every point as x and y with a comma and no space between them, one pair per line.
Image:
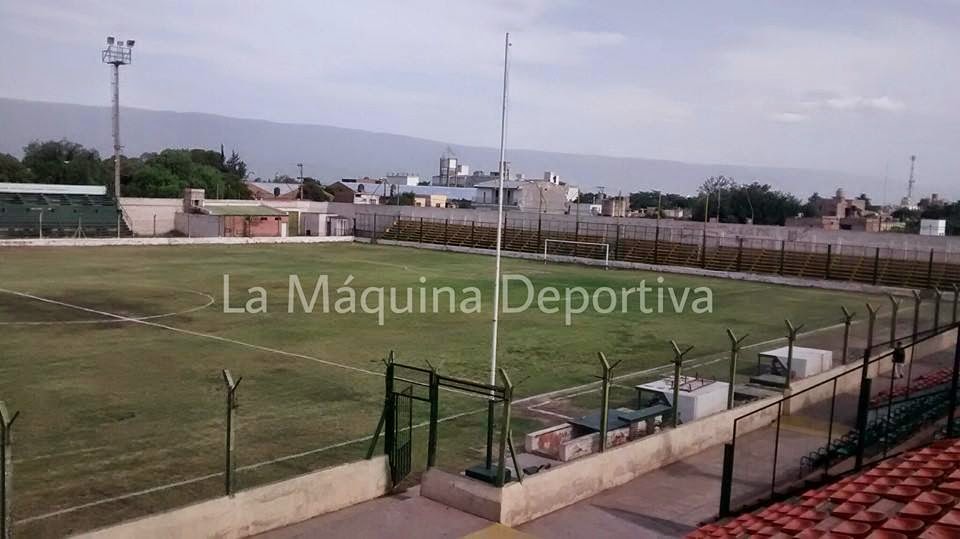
857,103
789,117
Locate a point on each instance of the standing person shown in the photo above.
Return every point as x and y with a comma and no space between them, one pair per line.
899,358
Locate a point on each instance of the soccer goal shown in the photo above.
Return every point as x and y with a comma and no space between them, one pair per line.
571,248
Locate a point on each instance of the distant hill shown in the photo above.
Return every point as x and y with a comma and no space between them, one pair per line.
330,153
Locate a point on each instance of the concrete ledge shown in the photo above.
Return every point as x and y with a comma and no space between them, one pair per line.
104,242
845,286
264,508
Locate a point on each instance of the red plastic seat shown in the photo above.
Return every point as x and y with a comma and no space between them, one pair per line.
921,482
847,509
929,472
951,518
797,525
910,527
940,532
852,529
873,518
926,512
864,498
886,534
811,533
937,498
902,493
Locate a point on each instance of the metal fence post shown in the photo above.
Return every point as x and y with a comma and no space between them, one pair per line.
829,259
783,253
938,297
956,298
734,354
677,366
433,435
917,301
863,406
421,231
605,397
876,265
616,244
871,323
930,270
739,253
505,427
373,233
954,382
354,227
389,415
847,320
895,308
791,339
154,225
230,464
473,231
446,227
656,244
726,480
6,471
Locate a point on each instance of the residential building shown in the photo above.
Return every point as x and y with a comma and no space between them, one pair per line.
615,207
532,196
358,191
430,201
274,190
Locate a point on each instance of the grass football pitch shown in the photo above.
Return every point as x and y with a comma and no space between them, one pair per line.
122,418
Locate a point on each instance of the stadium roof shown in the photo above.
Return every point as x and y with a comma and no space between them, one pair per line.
52,189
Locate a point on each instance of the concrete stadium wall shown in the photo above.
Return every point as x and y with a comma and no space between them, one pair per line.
150,216
102,242
264,508
142,210
570,482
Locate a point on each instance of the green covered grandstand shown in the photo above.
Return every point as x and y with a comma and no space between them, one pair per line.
32,210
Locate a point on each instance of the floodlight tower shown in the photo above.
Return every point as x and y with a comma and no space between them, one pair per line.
117,53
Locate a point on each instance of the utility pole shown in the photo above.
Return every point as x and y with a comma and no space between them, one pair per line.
117,53
300,194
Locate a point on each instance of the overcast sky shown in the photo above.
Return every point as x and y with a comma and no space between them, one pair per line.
851,86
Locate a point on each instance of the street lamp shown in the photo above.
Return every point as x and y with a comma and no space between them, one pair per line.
117,53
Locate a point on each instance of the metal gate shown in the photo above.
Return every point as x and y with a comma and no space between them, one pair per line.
400,448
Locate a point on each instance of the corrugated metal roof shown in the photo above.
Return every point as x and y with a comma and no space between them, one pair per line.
242,210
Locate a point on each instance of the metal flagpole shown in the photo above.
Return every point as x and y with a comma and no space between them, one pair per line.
496,282
496,278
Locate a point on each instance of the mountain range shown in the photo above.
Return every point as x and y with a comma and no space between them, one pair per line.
329,153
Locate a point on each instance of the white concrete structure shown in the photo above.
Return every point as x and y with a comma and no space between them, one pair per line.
698,397
806,362
402,178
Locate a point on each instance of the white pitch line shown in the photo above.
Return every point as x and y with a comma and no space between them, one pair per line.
210,301
190,332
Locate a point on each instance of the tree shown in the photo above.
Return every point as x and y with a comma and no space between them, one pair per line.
11,170
812,207
312,190
64,162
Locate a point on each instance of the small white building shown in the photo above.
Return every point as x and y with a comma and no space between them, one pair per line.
933,227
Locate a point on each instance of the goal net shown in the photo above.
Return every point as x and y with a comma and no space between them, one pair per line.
579,249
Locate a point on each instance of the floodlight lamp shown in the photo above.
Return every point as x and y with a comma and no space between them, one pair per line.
110,40
130,42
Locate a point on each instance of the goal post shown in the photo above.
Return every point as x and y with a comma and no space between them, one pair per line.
605,247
